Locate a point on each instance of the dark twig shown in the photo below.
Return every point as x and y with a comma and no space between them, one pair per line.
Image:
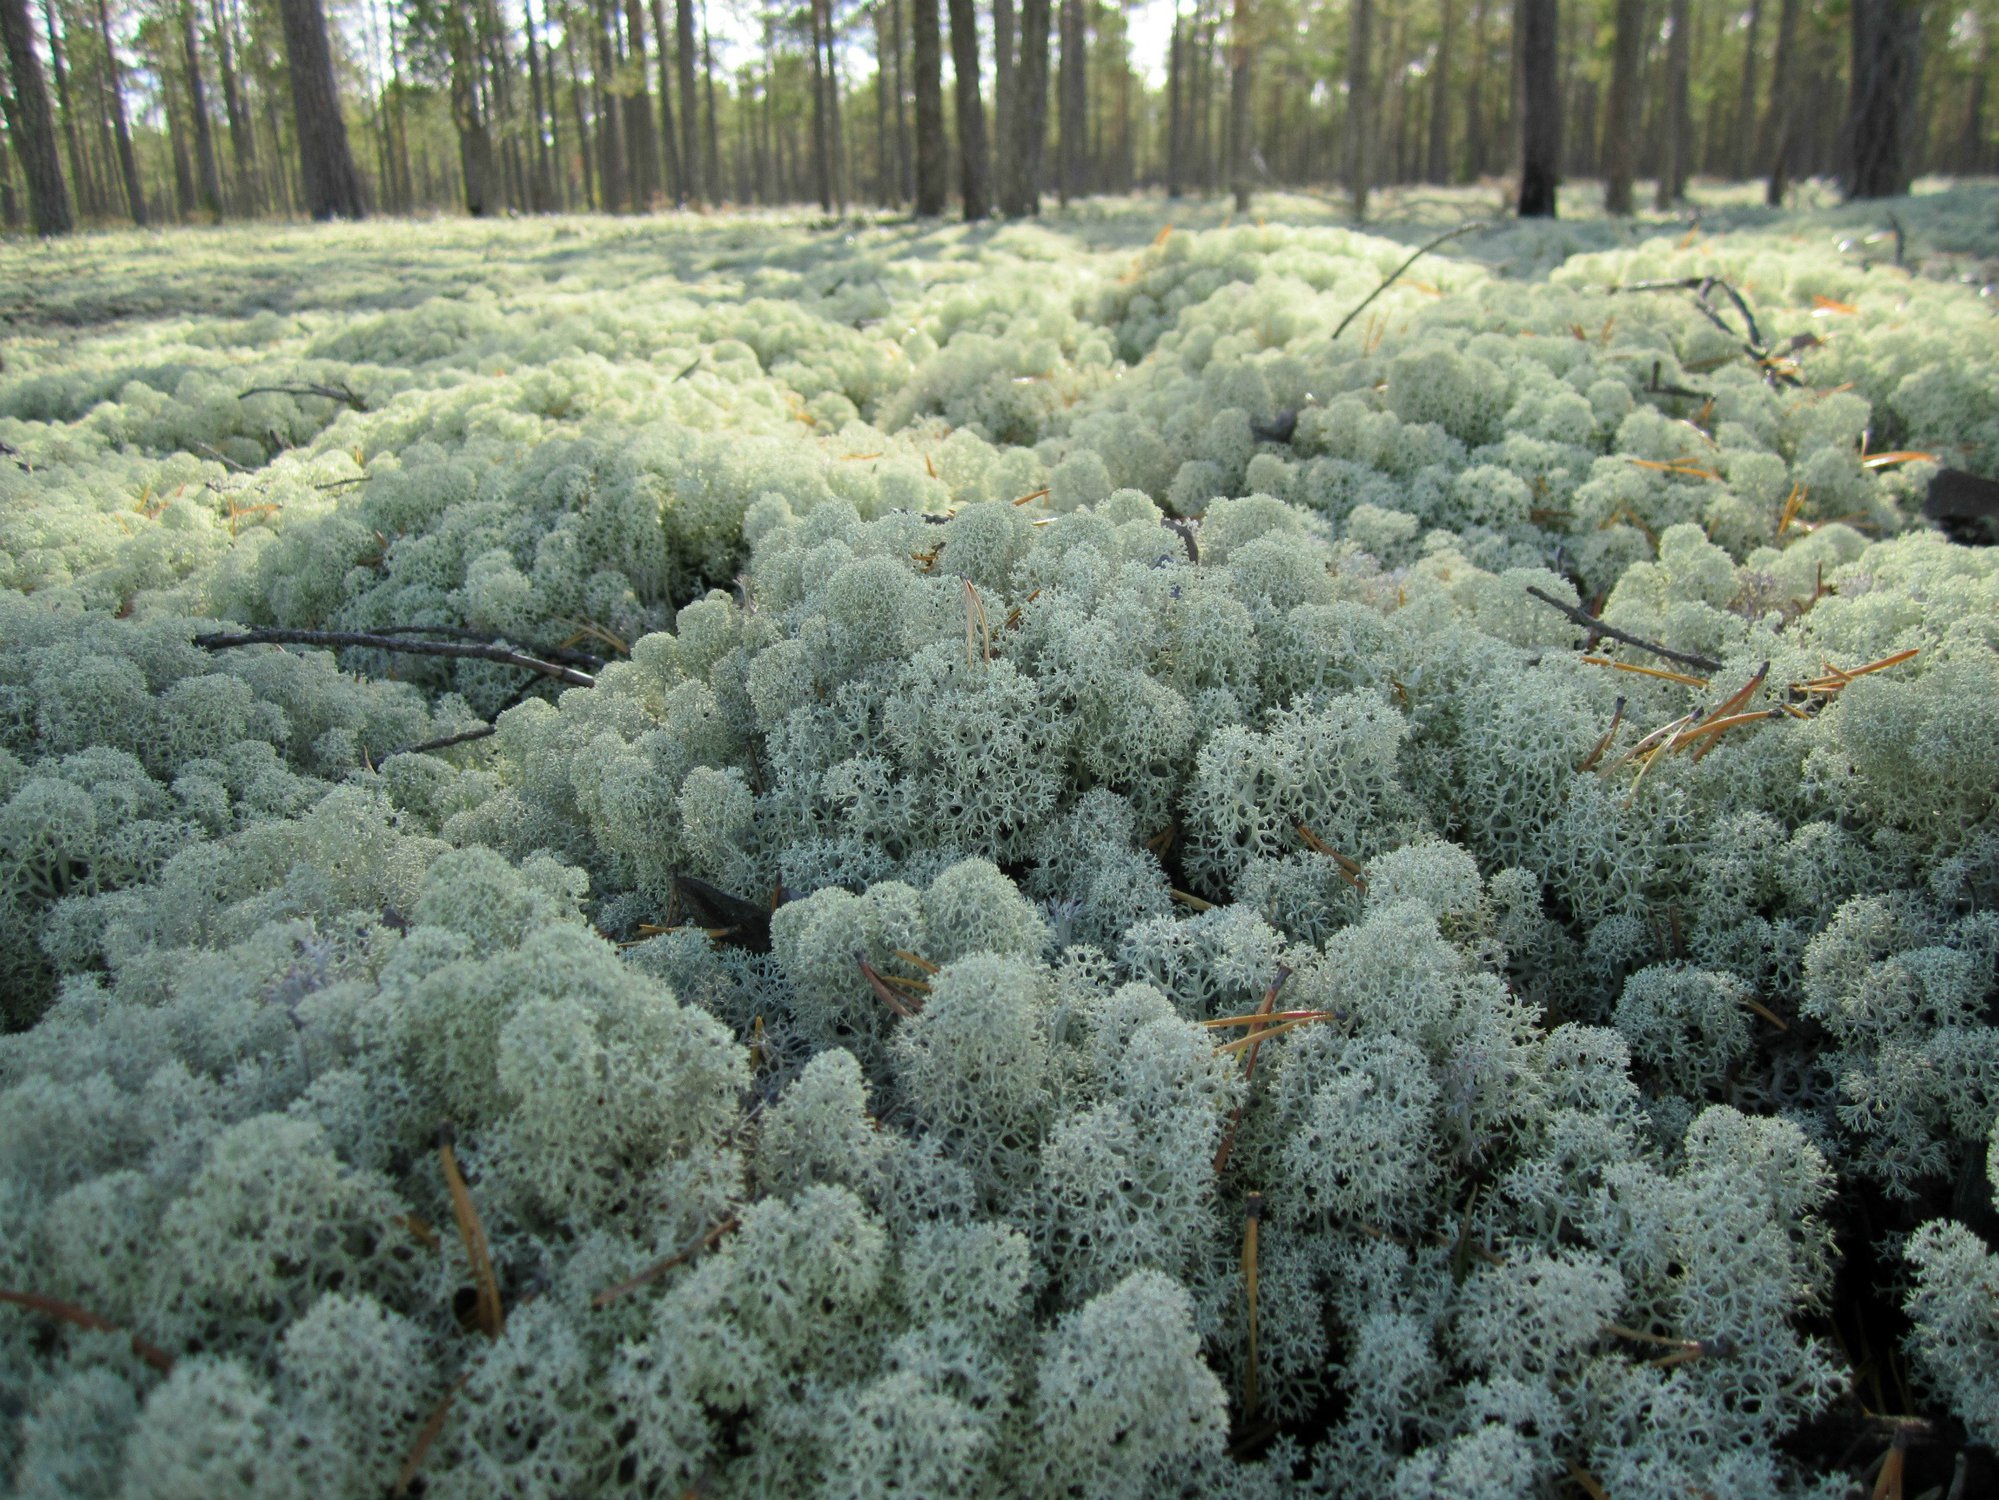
482,732
69,1312
1444,238
1597,628
341,393
465,650
569,656
705,1241
1656,389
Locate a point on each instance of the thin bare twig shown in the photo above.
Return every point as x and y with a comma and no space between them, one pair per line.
1597,627
1393,276
484,731
338,638
69,1312
659,1268
341,393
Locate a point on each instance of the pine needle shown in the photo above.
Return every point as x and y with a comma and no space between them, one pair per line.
491,1316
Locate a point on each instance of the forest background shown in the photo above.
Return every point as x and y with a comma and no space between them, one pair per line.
154,111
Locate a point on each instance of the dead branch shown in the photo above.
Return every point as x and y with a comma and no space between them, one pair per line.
69,1312
1597,628
1393,276
464,650
342,393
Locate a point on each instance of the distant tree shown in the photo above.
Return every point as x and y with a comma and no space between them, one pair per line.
1620,144
1780,124
114,79
328,181
931,170
1072,102
1679,141
1020,181
1360,108
1881,97
31,124
972,173
1540,107
1241,42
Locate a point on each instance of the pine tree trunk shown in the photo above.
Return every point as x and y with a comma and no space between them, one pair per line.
931,169
31,123
1679,128
1360,110
1239,118
1779,124
1540,108
1437,165
242,128
1071,102
972,176
638,111
713,174
128,161
610,130
197,103
675,177
1887,37
1745,113
1005,30
328,182
585,147
1176,124
690,121
78,178
1620,143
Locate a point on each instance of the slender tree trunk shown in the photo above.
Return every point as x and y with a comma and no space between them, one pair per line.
1540,107
468,116
183,164
76,173
1745,112
1176,124
242,127
1621,130
1779,123
610,129
638,111
1679,128
713,176
585,148
327,179
1880,119
1239,117
931,168
676,177
31,123
1071,103
1022,193
905,161
1360,106
972,175
547,131
1005,31
1436,167
690,123
197,103
128,161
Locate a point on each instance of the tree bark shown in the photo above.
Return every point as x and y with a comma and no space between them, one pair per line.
1071,103
1887,37
1745,113
1679,127
638,111
1176,124
242,128
1360,111
1621,128
468,115
1005,30
713,175
931,170
197,103
973,174
78,178
610,128
327,179
1540,108
1779,124
31,123
675,179
1020,178
1437,166
690,120
1239,117
128,161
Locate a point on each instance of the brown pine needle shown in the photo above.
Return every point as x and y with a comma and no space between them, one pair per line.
913,986
1638,1335
69,1312
1260,1018
433,1425
978,633
918,959
1596,754
883,993
1888,1485
1192,902
1767,1014
1032,495
1793,503
1901,456
659,1268
932,467
1253,1212
1734,701
422,1230
1349,870
1719,727
1587,1483
1661,672
1256,1038
1268,1004
492,1318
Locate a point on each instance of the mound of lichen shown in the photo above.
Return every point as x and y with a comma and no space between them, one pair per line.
847,958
